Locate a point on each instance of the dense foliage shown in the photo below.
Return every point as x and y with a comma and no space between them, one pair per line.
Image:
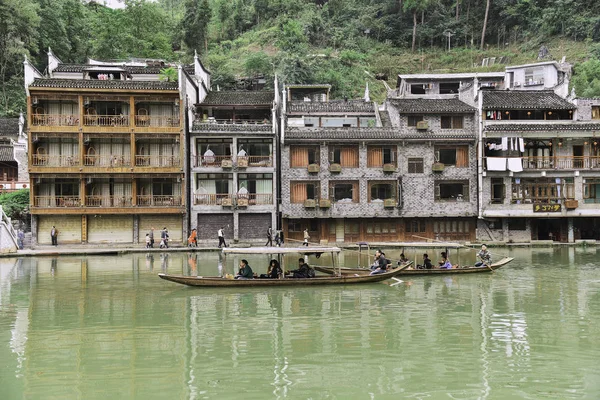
344,42
16,204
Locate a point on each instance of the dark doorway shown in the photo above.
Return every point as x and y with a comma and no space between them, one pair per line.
554,229
577,156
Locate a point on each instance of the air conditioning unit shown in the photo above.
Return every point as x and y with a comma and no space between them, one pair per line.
422,125
389,203
242,202
324,203
226,164
335,168
242,162
310,203
227,202
314,168
389,168
437,167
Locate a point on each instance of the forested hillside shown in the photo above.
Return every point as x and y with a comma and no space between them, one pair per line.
342,42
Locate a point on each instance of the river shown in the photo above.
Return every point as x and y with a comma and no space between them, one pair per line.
108,327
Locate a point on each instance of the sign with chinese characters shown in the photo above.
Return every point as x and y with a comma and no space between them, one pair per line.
546,207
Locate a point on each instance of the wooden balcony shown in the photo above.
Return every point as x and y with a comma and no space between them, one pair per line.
212,161
159,201
106,120
157,161
213,199
558,162
42,160
108,201
55,120
107,161
545,193
56,201
156,121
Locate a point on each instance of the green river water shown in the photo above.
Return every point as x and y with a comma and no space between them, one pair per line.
109,328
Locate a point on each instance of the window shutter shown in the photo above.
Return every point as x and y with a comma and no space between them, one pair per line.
437,191
465,191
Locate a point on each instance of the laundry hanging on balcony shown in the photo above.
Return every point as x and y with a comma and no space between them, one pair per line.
496,163
515,164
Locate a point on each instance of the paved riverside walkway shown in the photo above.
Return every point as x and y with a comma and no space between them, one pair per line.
114,249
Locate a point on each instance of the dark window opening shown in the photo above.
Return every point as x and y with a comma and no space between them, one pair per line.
415,165
449,87
413,119
517,224
417,88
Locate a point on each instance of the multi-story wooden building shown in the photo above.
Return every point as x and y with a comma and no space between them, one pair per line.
106,145
540,159
233,161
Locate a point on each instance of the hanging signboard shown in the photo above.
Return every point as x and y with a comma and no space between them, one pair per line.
546,207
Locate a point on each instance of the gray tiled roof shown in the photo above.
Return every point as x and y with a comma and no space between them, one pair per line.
431,106
524,100
370,134
545,127
6,153
239,98
335,106
9,126
102,84
129,69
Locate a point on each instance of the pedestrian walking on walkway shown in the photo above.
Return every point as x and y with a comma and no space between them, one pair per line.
221,235
151,234
54,235
306,237
269,237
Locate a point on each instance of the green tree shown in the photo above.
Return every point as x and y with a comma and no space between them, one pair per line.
170,74
586,78
16,204
257,63
194,25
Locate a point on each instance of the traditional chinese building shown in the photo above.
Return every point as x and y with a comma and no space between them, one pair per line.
106,143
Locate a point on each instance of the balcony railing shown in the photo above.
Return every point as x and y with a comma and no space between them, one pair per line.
228,125
111,161
546,193
250,199
157,161
213,199
55,119
558,162
108,201
156,121
159,201
106,120
41,160
260,199
56,201
255,161
211,161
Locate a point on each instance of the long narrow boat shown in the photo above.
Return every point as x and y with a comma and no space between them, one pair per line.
338,279
434,271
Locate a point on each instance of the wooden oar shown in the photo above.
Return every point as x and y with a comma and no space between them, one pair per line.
457,244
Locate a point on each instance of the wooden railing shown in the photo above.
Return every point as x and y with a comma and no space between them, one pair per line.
156,121
111,161
56,201
157,161
260,199
42,160
106,120
234,122
158,201
55,119
213,199
211,161
259,161
525,193
559,162
108,201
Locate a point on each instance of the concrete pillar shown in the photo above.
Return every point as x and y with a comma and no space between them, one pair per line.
136,228
570,230
505,231
34,230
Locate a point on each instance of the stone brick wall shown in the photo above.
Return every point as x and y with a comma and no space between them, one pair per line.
584,108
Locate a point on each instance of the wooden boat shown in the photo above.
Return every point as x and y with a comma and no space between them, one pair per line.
352,271
216,281
434,271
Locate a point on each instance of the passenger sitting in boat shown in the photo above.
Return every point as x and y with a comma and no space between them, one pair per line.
245,272
303,271
445,261
426,263
403,259
485,258
273,272
381,263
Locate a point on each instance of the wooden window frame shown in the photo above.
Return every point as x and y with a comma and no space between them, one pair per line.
415,165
